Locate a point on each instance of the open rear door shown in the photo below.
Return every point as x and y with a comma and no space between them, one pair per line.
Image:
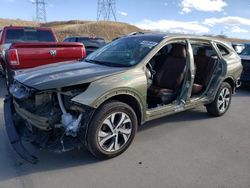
219,74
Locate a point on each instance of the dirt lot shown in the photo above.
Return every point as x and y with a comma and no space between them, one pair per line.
185,150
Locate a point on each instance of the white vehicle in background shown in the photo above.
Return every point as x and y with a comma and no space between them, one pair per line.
238,47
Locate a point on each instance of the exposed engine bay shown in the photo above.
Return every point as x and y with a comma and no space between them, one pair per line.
49,119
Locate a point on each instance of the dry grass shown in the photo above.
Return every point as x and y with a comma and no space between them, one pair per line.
17,22
107,30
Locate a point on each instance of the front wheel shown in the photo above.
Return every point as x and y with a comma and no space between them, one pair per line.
222,101
112,130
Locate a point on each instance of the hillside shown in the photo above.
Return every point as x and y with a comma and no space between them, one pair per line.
108,30
17,22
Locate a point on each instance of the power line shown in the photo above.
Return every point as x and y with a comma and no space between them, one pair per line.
106,10
40,11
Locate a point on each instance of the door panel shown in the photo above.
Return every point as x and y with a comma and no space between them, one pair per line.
189,77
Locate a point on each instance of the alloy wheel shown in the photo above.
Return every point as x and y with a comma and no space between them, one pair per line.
224,100
115,132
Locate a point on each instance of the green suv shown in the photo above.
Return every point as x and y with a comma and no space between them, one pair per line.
101,101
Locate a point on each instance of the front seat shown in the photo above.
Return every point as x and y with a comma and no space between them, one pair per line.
169,77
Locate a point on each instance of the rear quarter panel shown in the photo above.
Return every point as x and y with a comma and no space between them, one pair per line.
234,66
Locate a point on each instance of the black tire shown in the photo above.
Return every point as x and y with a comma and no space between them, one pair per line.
97,124
214,107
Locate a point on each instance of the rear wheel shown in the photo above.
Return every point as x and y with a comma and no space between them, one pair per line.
112,130
222,101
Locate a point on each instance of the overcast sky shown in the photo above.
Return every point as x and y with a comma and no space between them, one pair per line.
229,17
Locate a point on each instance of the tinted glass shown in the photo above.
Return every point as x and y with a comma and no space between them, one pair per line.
246,51
32,35
223,50
126,52
66,40
92,42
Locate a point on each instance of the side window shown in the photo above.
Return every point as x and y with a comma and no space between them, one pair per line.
203,49
223,50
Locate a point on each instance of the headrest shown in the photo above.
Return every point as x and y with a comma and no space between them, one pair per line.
201,52
178,50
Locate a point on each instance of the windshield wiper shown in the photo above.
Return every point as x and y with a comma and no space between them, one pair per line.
105,63
90,61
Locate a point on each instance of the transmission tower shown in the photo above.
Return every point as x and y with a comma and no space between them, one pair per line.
106,10
40,11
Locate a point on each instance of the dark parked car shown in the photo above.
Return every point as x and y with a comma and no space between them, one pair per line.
91,43
245,59
100,103
238,47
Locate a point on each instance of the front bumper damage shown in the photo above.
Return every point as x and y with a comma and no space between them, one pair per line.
23,126
13,135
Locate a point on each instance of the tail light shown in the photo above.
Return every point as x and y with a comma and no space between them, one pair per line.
13,57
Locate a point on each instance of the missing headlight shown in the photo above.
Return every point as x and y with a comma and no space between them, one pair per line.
20,91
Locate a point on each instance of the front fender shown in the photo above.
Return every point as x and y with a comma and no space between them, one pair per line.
133,83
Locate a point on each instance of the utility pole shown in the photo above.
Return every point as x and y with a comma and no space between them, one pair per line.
106,10
40,11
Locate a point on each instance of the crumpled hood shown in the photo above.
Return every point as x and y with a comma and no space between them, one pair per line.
65,74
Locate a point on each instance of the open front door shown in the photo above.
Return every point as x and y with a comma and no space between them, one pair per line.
188,79
174,71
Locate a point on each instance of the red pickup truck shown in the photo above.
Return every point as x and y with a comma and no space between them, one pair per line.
28,47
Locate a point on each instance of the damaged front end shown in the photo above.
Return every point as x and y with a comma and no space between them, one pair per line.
48,119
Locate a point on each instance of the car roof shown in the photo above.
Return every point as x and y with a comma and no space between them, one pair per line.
170,35
161,36
84,37
26,27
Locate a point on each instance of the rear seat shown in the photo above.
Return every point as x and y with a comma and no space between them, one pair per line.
204,69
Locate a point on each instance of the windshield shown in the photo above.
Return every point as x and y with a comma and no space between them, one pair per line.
92,42
124,52
246,50
29,35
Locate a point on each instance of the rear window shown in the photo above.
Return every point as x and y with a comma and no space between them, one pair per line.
69,40
92,42
29,35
